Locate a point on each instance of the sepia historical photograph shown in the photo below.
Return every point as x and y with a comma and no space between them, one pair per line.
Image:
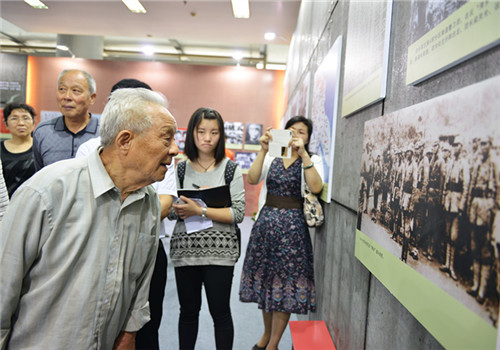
430,192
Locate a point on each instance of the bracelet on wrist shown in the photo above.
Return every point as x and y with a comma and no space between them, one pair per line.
308,167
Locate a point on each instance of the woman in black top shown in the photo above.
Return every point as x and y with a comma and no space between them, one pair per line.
16,153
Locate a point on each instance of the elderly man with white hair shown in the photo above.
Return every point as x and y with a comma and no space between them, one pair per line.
79,239
59,138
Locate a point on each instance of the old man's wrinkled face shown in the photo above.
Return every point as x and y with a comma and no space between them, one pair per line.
73,95
155,149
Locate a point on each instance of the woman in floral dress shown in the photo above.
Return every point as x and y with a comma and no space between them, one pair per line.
278,272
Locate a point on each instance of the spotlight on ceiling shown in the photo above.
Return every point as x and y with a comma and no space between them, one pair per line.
241,8
134,6
237,56
270,36
148,50
36,4
274,66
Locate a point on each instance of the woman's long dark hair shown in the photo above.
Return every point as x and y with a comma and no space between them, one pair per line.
307,122
190,148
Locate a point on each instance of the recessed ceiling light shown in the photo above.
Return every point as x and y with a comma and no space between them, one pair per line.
134,6
241,8
148,50
259,65
270,36
237,56
274,66
36,4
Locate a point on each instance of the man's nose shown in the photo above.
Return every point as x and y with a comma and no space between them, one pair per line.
67,95
174,149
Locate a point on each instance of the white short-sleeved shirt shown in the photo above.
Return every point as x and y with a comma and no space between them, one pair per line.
4,195
166,186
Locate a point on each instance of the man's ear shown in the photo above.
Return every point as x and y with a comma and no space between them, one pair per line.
92,98
124,140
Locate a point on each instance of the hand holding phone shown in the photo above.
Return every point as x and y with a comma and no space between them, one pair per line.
279,146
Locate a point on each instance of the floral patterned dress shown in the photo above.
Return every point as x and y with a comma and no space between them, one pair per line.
278,271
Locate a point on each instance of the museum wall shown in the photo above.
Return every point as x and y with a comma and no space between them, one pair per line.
359,311
240,94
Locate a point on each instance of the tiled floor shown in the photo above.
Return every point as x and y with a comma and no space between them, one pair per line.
247,317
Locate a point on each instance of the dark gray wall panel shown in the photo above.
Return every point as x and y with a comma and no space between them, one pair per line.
391,326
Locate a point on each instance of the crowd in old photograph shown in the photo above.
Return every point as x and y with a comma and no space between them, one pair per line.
438,199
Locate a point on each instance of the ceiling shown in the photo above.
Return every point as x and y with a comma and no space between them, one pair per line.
201,31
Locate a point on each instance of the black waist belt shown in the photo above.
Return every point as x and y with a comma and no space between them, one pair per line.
434,184
479,192
407,187
283,202
455,186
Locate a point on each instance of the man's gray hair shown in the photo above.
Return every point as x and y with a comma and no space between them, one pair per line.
88,77
127,110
